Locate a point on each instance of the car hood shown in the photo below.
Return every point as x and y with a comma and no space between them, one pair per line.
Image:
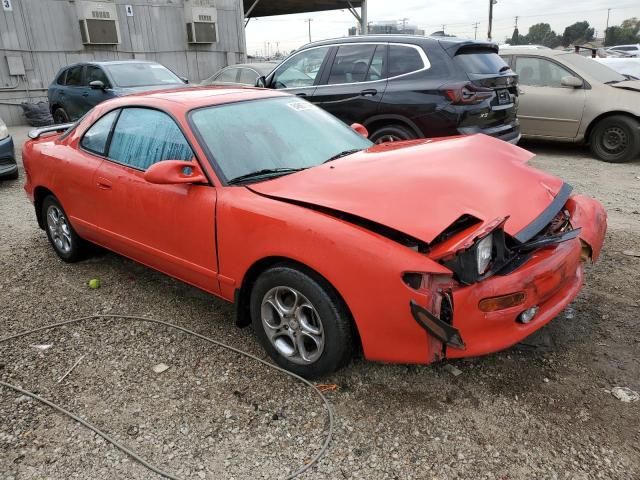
628,85
421,187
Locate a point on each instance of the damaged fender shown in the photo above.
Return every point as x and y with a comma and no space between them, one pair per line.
589,215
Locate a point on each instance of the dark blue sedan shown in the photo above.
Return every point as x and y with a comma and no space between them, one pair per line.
8,166
80,87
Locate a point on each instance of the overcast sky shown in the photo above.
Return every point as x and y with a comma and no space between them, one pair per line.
288,32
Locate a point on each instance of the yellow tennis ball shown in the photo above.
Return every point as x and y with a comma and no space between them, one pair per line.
94,283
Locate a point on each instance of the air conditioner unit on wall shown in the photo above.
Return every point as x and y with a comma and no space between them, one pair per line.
202,22
98,23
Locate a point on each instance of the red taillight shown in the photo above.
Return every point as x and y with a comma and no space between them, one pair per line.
466,93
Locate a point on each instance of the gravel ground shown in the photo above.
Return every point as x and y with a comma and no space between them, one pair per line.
541,410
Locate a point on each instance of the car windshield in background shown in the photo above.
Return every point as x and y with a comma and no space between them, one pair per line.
141,74
593,69
281,133
481,61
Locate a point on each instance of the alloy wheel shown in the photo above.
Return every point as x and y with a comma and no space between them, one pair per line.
292,325
59,229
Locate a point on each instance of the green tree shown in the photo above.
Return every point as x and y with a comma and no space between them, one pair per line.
627,32
541,34
578,33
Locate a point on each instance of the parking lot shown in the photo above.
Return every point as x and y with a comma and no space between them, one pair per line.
540,410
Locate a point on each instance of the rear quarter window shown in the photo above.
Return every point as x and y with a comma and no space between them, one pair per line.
403,59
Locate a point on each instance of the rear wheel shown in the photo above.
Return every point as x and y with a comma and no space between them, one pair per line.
300,322
392,133
63,238
616,139
60,116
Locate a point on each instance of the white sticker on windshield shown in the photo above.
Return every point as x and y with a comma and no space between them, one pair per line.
299,106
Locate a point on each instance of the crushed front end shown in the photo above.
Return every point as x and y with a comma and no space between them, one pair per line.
506,286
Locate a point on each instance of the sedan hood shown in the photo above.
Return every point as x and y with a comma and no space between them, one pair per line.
420,188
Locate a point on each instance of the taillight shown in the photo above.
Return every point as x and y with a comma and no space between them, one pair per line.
466,93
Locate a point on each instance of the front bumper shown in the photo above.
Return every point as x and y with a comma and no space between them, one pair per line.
550,280
8,165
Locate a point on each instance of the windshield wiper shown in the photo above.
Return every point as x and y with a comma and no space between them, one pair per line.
265,172
342,154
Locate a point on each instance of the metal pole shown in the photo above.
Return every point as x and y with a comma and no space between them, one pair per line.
364,27
490,19
309,20
607,27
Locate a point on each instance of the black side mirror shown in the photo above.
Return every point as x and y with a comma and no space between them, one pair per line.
184,79
97,85
261,82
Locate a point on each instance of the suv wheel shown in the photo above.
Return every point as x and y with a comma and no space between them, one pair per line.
392,133
616,139
60,116
300,322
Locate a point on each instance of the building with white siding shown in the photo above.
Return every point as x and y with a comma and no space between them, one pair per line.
194,38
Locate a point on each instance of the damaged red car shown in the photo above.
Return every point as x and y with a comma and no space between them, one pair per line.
410,252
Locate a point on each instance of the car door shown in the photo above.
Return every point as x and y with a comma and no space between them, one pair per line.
168,227
93,96
300,73
353,84
546,107
71,96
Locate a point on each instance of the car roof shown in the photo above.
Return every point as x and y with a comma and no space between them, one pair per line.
187,98
111,62
445,42
541,52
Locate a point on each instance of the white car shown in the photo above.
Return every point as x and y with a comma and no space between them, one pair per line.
633,50
624,66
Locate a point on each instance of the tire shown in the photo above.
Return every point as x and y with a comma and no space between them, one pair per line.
13,176
60,116
316,312
392,133
63,238
616,139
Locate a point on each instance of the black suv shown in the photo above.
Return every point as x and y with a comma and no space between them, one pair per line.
403,87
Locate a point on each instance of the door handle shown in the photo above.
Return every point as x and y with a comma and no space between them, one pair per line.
301,94
104,183
85,94
369,93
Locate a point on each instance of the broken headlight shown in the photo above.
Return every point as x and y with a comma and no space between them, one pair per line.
484,253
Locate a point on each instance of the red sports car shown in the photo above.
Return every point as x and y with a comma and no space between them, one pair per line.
411,251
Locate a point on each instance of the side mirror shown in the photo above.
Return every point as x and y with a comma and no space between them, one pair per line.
573,82
174,172
97,85
360,129
261,82
184,79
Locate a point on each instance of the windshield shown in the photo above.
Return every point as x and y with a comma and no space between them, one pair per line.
480,61
591,68
272,133
141,74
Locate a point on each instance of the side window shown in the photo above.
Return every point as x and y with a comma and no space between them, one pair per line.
351,64
247,77
376,69
61,77
95,138
403,60
300,70
95,73
230,75
540,72
74,76
144,136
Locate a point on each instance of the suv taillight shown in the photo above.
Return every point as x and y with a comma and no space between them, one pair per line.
466,93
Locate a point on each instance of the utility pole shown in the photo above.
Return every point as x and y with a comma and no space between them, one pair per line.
309,20
607,27
491,2
475,28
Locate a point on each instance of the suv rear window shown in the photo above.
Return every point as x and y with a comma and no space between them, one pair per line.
481,61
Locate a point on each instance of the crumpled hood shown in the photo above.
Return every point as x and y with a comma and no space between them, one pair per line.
421,187
628,85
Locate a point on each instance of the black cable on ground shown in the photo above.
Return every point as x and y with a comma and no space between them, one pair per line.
121,447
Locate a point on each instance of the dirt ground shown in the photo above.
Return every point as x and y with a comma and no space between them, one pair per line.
541,410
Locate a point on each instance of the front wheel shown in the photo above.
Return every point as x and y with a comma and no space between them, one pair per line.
300,322
63,238
616,139
60,116
392,133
